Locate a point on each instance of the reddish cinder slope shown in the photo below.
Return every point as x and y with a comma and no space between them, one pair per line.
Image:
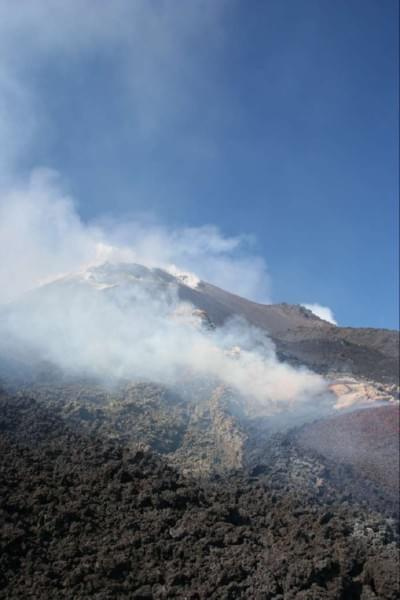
367,439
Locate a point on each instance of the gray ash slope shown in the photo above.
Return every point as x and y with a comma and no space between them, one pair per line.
300,336
303,338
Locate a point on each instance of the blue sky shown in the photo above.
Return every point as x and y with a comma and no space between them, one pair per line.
268,118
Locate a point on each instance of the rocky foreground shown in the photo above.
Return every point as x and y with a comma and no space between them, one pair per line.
85,516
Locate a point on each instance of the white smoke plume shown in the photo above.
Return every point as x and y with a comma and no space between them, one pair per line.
100,327
42,237
133,334
112,323
323,312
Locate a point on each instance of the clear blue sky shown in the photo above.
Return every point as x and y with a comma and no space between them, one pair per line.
269,117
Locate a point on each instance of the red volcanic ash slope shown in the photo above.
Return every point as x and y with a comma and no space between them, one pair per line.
367,439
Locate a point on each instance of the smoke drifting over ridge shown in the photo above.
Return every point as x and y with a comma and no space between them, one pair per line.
121,320
323,312
133,328
42,237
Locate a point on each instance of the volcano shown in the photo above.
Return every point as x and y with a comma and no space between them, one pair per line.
164,438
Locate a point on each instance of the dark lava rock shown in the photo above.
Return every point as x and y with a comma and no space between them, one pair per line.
86,517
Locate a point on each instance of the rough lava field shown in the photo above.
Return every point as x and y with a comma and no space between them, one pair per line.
83,516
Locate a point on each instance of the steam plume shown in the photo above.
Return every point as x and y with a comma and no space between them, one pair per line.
88,322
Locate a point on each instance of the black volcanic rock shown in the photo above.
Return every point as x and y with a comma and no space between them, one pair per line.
84,517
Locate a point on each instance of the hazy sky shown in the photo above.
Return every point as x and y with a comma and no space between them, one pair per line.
276,119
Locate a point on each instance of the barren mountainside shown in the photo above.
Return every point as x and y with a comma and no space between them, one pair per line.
303,338
174,481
